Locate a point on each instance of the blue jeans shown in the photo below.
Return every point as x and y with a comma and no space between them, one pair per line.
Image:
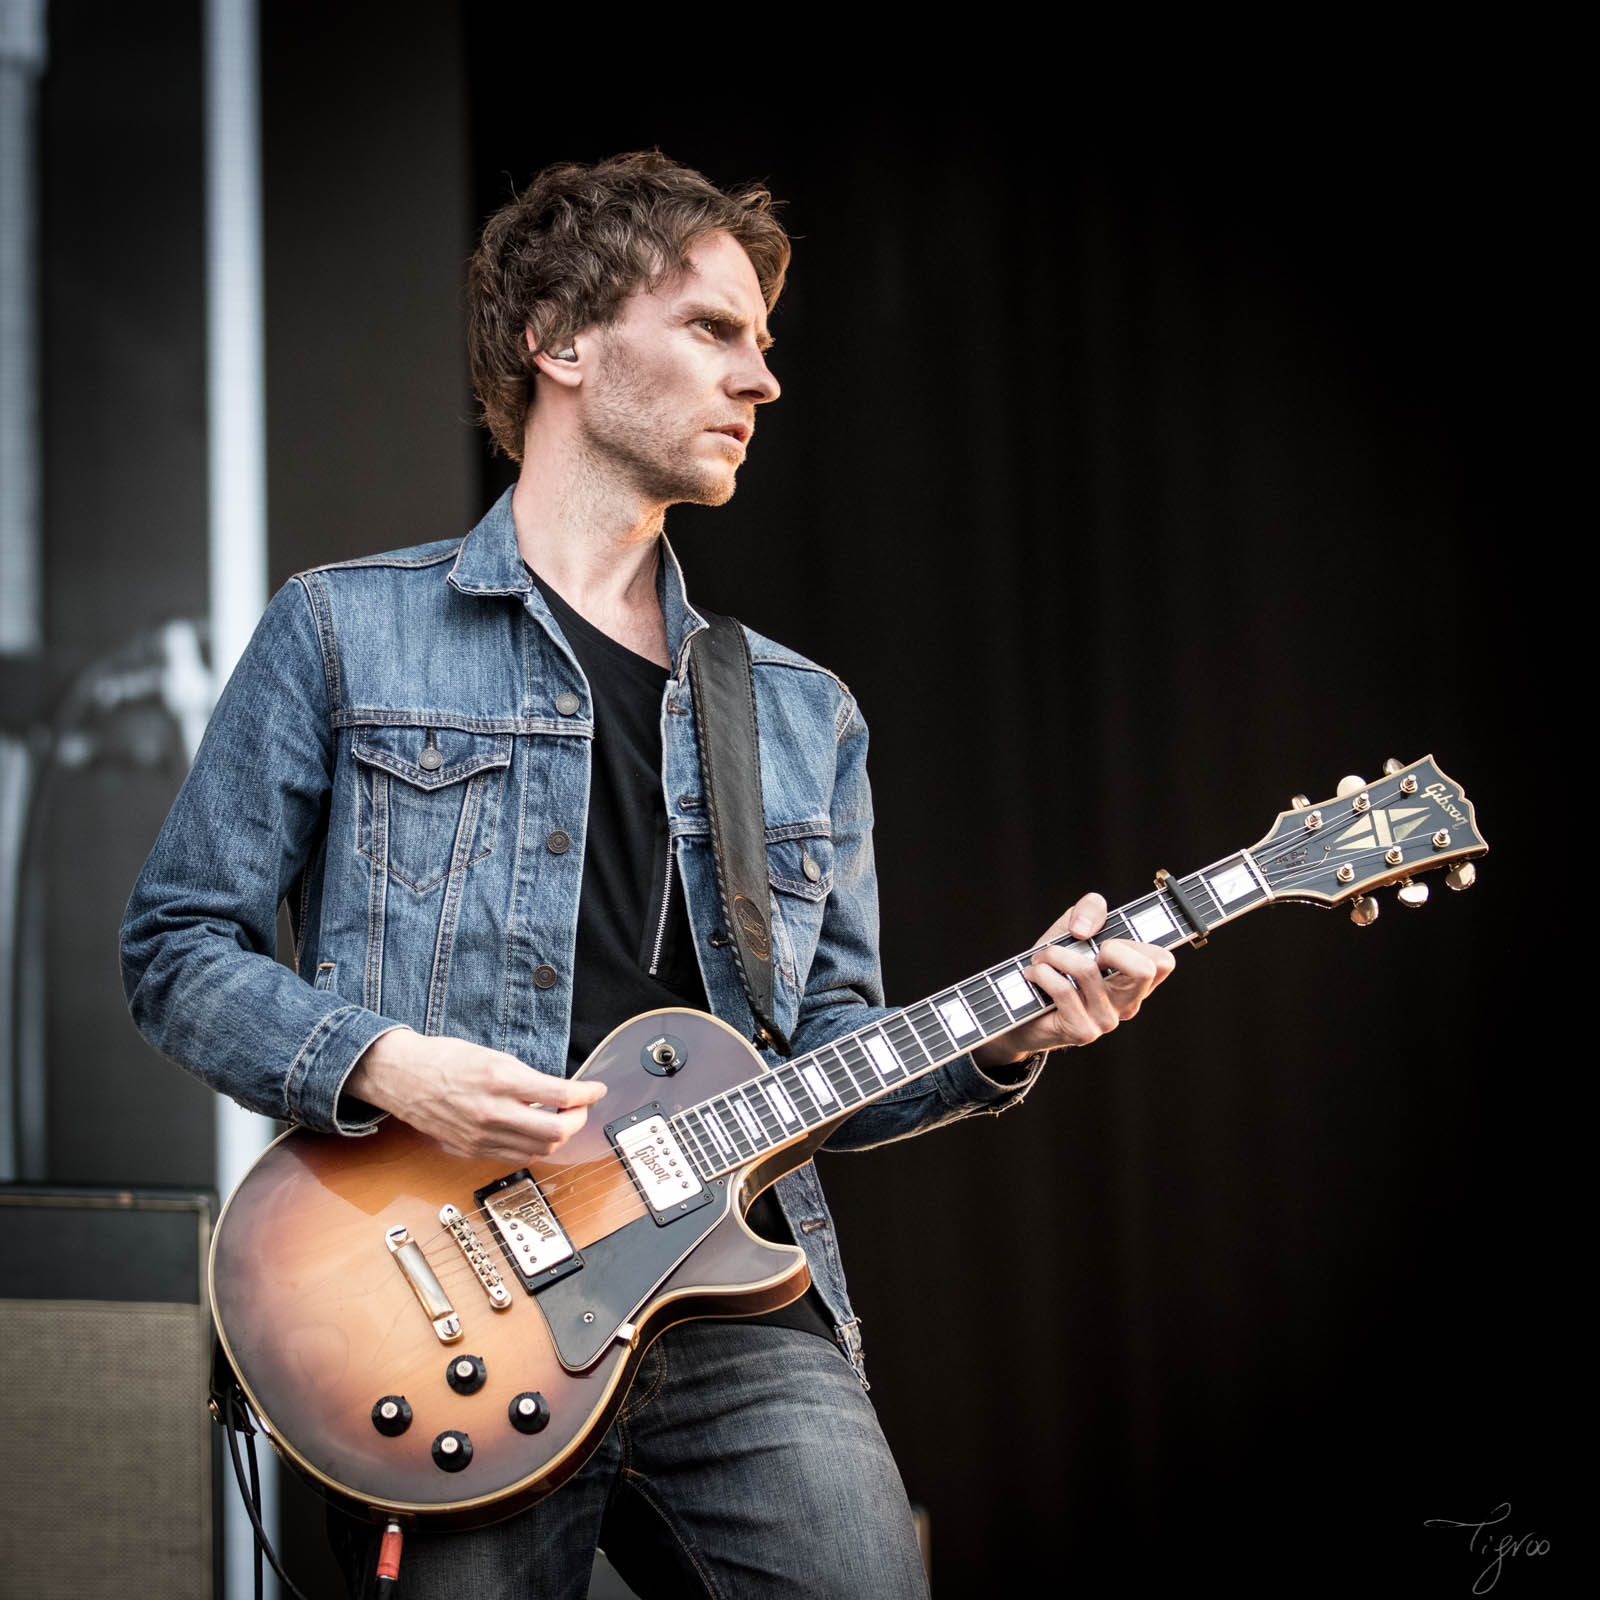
746,1462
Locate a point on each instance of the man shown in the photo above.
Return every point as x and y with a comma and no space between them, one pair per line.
471,770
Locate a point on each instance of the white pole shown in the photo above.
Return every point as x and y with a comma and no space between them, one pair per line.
22,60
236,463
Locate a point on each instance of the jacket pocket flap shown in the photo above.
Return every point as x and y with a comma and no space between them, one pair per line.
431,758
801,864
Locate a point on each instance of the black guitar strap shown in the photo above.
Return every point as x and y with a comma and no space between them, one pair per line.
724,692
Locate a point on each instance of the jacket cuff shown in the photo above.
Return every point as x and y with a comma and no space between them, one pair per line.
315,1083
964,1082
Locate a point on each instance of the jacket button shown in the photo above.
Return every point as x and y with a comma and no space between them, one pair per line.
557,843
810,868
568,703
430,760
544,976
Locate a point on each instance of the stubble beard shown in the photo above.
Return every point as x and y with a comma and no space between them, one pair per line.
626,434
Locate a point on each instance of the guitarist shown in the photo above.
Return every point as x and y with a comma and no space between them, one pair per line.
470,769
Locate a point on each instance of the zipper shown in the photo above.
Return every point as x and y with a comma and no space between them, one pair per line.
661,927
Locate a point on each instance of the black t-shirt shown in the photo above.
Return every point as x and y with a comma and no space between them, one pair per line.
635,949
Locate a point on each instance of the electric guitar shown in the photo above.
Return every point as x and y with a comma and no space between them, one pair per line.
434,1337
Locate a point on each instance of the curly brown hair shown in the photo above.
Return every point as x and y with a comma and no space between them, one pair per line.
566,253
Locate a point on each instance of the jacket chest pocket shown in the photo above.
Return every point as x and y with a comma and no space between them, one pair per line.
429,801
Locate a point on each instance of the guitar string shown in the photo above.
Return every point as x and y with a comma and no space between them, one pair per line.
577,1207
569,1192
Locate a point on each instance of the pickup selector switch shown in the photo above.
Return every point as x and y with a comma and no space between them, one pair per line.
528,1412
466,1374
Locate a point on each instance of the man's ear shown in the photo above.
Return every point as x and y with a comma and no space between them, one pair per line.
563,366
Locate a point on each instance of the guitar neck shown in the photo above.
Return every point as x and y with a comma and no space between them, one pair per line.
828,1084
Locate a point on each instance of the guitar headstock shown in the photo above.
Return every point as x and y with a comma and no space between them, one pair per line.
1411,820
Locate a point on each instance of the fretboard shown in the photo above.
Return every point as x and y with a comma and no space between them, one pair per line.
828,1084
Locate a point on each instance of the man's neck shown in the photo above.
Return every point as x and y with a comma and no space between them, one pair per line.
597,546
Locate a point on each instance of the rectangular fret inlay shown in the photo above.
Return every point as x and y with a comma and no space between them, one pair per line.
780,1102
714,1123
878,1048
1151,923
1233,884
820,1089
1014,990
752,1132
956,1017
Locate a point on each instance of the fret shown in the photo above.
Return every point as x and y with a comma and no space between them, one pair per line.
887,1063
1234,880
858,1086
684,1123
985,1003
860,1063
728,1121
821,1090
799,1092
748,1125
714,1154
718,1133
1020,996
846,1087
1151,921
782,1106
899,1032
766,1118
957,1017
931,1032
1198,881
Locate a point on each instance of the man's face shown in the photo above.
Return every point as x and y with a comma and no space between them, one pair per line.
671,405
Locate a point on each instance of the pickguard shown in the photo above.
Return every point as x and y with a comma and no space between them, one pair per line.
621,1271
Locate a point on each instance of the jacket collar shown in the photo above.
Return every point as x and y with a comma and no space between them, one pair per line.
490,562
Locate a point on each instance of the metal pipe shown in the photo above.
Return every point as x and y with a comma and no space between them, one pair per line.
237,510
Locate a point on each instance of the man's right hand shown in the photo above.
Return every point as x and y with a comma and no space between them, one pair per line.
475,1102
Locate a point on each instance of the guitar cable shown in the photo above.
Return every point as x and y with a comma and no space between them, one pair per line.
231,1409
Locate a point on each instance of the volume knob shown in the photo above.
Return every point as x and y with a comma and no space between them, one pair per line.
528,1412
466,1374
452,1451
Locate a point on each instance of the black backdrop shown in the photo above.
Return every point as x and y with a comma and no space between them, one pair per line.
1140,464
1135,481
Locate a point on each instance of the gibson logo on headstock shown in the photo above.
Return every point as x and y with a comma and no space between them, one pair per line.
1442,797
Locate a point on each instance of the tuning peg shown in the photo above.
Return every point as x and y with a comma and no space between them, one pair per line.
1462,875
1393,765
1299,802
1412,894
1364,911
1349,785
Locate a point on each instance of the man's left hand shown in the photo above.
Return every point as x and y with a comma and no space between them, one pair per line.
1092,994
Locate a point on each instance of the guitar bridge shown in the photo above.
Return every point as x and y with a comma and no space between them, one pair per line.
425,1286
478,1257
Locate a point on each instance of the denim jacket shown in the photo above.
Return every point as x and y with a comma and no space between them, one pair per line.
402,742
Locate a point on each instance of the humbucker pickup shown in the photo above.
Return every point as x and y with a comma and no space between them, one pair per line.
660,1168
521,1220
